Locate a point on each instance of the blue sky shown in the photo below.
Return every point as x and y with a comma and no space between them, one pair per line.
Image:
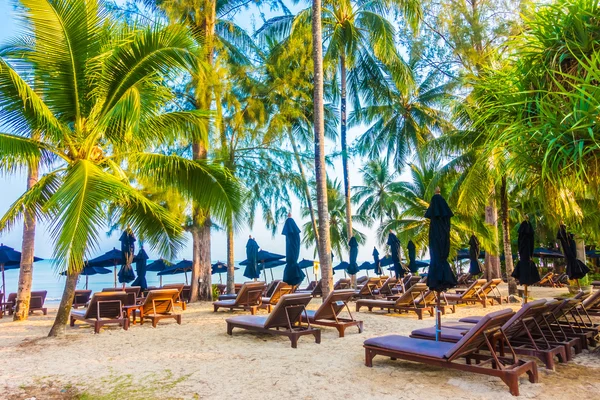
13,186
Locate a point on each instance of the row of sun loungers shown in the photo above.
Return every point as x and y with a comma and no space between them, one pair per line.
38,298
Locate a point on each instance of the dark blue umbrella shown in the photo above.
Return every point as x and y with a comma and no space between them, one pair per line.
377,262
366,266
394,244
127,240
182,267
387,261
140,269
292,274
418,265
353,265
159,266
111,258
89,271
220,268
576,269
474,250
343,266
10,259
547,253
251,271
412,255
526,271
440,276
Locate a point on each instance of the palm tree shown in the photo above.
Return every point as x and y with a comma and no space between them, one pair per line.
337,227
377,196
99,105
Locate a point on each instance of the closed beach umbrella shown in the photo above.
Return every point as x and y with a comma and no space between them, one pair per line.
182,267
440,276
474,249
353,265
394,244
526,271
377,262
10,259
412,255
576,269
127,240
252,271
292,274
140,269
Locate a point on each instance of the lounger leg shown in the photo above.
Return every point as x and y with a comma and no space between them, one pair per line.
215,308
178,319
360,327
369,358
532,373
97,327
357,307
294,340
229,329
253,310
154,322
72,323
183,305
317,334
419,313
512,381
549,361
341,330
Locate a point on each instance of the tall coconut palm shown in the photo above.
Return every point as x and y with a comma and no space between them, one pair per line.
377,196
98,103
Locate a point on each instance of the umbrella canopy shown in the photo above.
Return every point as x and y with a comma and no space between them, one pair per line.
158,265
252,271
592,253
182,267
10,259
292,274
272,264
576,269
377,262
394,244
127,240
386,261
140,269
111,258
304,264
366,266
440,276
474,250
343,266
418,265
526,271
220,268
353,265
546,253
90,271
412,255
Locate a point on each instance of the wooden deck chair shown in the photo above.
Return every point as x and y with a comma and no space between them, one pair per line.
328,313
180,299
9,304
491,292
38,298
370,289
405,303
469,295
342,284
81,298
386,288
157,305
281,288
476,347
316,291
546,280
284,320
104,308
249,298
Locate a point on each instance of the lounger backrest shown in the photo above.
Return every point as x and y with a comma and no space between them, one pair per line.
489,286
281,289
516,325
250,294
334,304
475,338
271,288
160,301
82,296
106,305
593,301
311,285
12,298
370,285
178,286
342,284
186,293
37,299
413,280
410,296
287,311
318,289
473,289
546,278
387,286
427,298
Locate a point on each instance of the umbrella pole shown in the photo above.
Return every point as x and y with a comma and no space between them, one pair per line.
264,272
438,317
186,280
3,283
525,300
220,279
86,282
272,279
115,275
160,280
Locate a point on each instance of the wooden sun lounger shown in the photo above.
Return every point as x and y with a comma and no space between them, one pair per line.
546,280
342,284
280,288
468,296
592,304
104,308
36,303
81,298
520,331
180,299
157,305
369,289
409,301
406,283
316,291
284,320
308,288
249,298
387,287
9,304
328,313
470,347
491,292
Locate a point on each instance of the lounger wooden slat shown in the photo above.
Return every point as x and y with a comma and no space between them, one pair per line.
470,347
408,302
81,298
104,308
470,295
284,320
158,305
328,313
180,297
281,288
249,298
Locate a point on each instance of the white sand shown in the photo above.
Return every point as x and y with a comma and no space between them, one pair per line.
199,360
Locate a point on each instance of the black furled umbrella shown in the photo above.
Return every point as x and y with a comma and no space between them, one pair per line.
412,255
353,265
252,271
292,274
182,267
10,259
394,244
526,271
474,249
159,266
377,262
263,257
140,268
90,271
576,269
440,276
127,240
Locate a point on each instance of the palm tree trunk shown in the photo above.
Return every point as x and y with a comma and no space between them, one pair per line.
492,259
230,261
324,241
64,309
309,202
508,260
28,248
343,133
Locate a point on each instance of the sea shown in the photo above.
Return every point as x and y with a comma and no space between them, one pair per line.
45,277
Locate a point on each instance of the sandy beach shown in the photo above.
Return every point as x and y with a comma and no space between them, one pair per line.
197,360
